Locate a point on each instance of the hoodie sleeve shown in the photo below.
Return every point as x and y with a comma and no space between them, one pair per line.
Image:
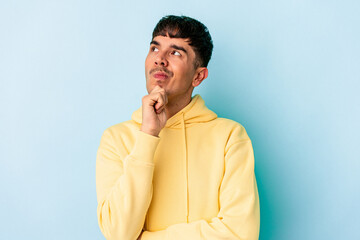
124,186
239,214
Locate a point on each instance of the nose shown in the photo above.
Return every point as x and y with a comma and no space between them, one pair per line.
160,60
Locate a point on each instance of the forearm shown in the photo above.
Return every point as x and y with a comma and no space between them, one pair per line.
122,213
217,229
124,200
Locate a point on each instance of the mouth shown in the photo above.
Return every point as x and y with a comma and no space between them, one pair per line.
160,75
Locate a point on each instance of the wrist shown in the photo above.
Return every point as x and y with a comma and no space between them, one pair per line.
154,133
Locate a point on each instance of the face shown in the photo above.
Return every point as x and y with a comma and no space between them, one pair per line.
170,65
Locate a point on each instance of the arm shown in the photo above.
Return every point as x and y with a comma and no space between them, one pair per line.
239,214
124,186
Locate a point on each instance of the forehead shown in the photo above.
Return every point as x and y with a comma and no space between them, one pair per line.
168,42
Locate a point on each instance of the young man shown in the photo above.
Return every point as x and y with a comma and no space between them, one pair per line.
176,170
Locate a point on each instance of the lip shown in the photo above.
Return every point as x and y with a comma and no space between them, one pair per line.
160,75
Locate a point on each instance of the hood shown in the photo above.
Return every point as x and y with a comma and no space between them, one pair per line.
194,112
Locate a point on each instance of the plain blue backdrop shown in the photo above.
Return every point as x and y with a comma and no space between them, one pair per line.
288,71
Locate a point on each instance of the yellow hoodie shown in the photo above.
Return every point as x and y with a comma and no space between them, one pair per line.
195,181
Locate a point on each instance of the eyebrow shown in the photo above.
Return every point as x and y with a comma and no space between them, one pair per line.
172,46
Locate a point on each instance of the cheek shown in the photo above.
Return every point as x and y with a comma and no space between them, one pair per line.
187,74
179,70
146,62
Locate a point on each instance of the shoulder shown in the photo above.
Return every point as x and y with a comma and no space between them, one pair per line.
120,136
235,130
121,127
121,130
236,136
232,133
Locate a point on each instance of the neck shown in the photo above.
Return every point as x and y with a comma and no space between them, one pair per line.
175,104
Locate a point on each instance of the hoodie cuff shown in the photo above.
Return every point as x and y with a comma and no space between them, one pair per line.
145,147
159,235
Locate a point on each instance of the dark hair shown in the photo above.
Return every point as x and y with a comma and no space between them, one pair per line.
186,27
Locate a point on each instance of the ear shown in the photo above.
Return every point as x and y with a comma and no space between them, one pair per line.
200,75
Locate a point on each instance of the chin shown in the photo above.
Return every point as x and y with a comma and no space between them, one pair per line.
151,87
160,85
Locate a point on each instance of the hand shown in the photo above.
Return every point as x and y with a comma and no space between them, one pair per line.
153,111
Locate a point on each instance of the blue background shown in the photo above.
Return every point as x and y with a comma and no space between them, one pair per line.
288,71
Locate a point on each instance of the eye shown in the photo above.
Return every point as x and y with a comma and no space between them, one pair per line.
176,53
154,49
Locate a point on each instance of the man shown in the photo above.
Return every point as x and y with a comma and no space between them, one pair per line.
176,170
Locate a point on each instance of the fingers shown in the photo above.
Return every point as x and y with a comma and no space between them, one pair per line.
157,88
160,98
157,99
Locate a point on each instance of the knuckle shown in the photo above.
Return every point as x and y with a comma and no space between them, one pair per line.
159,96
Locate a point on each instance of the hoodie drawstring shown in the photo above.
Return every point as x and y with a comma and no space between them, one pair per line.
186,166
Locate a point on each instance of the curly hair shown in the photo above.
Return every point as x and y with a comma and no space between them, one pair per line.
189,28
